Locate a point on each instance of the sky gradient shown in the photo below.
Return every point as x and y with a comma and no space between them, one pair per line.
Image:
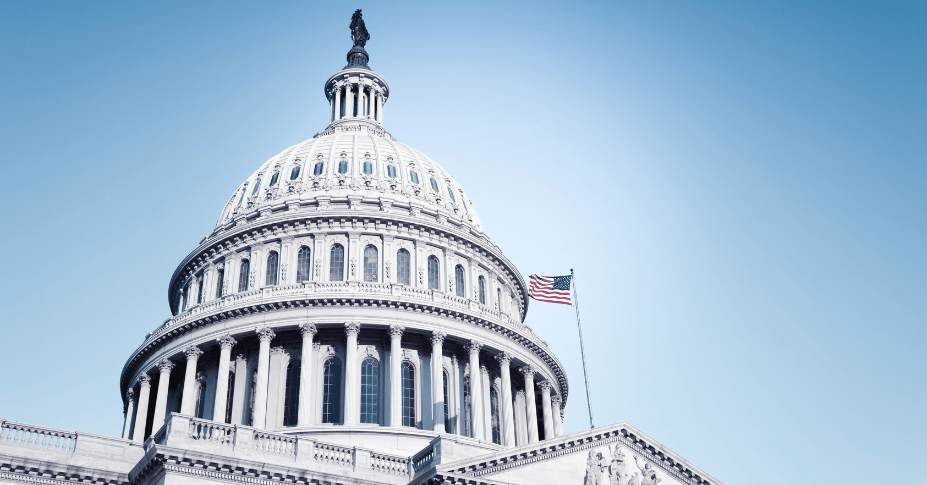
740,187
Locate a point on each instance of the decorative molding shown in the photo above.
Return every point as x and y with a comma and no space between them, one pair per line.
265,334
165,366
308,329
352,328
504,358
544,385
437,337
193,352
528,371
226,341
474,346
396,330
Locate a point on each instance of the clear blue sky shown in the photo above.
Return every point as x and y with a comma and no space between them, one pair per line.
740,187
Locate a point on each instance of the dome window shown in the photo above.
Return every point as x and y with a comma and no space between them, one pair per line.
391,171
343,166
274,178
368,168
257,185
413,175
434,186
450,194
318,168
294,173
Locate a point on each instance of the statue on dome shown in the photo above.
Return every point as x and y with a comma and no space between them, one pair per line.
359,33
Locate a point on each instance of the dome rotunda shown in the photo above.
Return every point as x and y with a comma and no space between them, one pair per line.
348,291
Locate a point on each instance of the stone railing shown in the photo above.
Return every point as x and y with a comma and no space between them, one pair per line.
425,459
194,433
18,434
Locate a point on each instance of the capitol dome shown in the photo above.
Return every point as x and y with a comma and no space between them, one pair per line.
348,293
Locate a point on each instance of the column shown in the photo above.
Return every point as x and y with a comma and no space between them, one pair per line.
276,384
373,104
265,335
508,423
331,112
521,419
141,412
337,103
548,411
380,102
238,395
352,387
226,342
453,404
348,100
305,375
188,402
487,403
395,374
437,379
161,400
558,419
530,405
130,411
476,391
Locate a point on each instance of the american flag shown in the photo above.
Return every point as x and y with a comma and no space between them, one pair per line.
552,289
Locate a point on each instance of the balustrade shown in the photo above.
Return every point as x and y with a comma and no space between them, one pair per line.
338,455
18,434
276,444
210,431
389,464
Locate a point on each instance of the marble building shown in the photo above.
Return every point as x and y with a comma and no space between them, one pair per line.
346,321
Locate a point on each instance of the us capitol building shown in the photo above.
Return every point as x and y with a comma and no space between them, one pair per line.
347,321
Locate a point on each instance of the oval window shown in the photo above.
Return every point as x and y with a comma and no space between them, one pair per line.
318,168
391,171
257,185
413,175
450,194
342,167
294,173
434,186
368,168
273,179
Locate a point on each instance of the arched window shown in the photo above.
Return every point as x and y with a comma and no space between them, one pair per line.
450,194
220,277
199,289
272,262
434,186
368,168
291,394
433,274
336,263
274,178
482,288
391,171
230,393
318,168
257,185
494,409
303,264
447,404
413,175
370,391
459,283
408,394
243,275
370,263
343,166
294,173
403,267
331,391
467,410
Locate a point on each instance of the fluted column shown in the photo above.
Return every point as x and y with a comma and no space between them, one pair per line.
265,335
530,405
141,412
508,420
130,412
476,391
337,104
395,374
304,417
521,419
380,100
352,385
238,395
164,383
348,100
373,104
558,419
188,403
548,411
226,342
437,379
487,402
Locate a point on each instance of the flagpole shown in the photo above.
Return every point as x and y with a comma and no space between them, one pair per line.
582,350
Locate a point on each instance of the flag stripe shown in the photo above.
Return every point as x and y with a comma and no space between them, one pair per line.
552,289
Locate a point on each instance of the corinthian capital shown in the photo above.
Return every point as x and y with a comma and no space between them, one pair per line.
193,352
528,371
130,395
144,380
165,366
474,346
226,342
352,329
545,385
437,337
555,400
396,330
504,358
308,329
265,334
